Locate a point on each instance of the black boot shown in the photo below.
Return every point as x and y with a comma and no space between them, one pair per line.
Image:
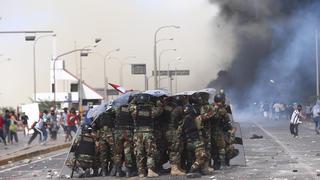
104,171
194,171
130,172
113,171
120,173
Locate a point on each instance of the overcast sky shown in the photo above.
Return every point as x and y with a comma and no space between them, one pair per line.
125,24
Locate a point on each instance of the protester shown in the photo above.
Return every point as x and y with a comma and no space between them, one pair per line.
72,118
13,128
24,119
63,123
276,111
36,127
316,116
2,124
296,120
45,125
6,125
53,126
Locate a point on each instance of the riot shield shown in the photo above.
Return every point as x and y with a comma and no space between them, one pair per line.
240,159
70,158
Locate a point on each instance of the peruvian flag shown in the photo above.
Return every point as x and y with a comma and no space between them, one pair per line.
119,88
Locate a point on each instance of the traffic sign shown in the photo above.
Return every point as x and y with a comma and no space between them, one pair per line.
138,69
173,73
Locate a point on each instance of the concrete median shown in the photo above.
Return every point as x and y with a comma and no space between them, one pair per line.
32,153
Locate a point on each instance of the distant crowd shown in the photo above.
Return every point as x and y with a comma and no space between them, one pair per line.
295,113
46,126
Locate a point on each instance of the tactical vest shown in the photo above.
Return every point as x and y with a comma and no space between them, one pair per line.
86,146
190,128
144,117
106,119
124,118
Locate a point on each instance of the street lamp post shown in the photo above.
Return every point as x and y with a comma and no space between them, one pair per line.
169,76
105,57
54,71
159,62
317,63
155,52
82,53
35,40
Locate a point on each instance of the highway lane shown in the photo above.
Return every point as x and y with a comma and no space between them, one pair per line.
276,156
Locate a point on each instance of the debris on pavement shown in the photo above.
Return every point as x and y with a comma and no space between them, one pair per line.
255,136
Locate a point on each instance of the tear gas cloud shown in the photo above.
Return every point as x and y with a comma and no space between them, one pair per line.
274,58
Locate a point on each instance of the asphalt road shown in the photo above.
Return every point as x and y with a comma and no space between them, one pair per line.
276,156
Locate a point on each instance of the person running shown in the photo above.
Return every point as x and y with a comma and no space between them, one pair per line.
316,116
2,124
296,120
36,127
72,118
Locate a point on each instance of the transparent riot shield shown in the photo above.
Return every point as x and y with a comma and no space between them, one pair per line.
240,159
68,168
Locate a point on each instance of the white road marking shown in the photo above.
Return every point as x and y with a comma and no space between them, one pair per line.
290,153
9,169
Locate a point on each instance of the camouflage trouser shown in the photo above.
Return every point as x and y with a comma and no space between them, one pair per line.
104,146
175,147
162,147
83,161
145,150
218,145
231,151
123,146
197,149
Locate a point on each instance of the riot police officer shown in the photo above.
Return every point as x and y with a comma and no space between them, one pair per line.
173,114
123,142
84,153
205,112
196,153
145,110
219,125
104,125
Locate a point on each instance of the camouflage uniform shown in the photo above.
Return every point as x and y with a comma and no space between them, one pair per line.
104,125
196,149
124,138
219,125
205,114
84,153
144,115
231,151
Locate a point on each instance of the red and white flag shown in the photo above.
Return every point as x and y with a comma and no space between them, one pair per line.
118,88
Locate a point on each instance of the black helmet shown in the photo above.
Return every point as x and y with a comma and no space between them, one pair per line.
189,109
180,99
219,98
86,128
200,98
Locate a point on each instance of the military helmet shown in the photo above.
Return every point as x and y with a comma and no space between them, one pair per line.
180,99
200,98
219,98
86,128
142,98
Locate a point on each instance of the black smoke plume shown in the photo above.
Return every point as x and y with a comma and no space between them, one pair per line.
274,59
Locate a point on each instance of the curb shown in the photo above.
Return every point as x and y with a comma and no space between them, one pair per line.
33,153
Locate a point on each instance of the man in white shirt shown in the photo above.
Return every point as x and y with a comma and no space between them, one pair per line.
295,121
316,116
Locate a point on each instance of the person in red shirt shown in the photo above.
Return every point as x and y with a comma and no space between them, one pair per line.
2,124
72,119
